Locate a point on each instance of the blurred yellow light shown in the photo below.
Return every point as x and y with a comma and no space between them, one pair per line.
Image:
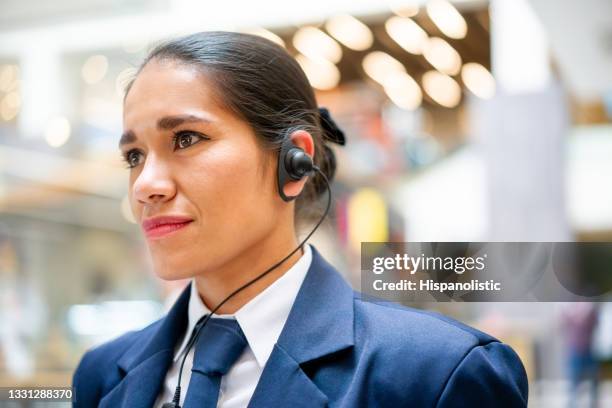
262,32
407,34
478,80
380,66
57,131
126,210
367,218
403,91
350,32
15,85
315,44
442,88
8,110
446,17
94,69
442,56
404,8
9,75
321,73
13,99
123,78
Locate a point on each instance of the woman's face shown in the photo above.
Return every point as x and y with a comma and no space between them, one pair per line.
191,157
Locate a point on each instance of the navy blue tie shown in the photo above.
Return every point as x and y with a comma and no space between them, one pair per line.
219,345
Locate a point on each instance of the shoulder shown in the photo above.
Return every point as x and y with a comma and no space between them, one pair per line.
455,363
408,322
98,368
422,336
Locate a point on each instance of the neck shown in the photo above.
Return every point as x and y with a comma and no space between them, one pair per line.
250,263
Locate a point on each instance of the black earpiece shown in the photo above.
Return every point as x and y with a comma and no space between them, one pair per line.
293,165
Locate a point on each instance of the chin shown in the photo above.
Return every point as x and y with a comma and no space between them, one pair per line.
170,274
172,264
172,268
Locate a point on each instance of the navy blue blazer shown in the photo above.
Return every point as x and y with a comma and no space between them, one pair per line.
335,350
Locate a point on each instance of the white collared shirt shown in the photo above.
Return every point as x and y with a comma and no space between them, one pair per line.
261,319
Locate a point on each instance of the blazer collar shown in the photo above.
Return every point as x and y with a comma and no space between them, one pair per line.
145,363
321,319
164,337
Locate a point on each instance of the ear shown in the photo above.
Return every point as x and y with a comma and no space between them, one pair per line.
304,141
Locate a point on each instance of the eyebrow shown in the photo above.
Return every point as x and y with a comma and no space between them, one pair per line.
165,123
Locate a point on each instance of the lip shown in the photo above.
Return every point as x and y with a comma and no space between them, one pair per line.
157,227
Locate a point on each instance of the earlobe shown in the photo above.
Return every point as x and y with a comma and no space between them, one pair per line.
294,188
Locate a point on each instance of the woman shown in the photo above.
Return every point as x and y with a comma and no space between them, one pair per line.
212,123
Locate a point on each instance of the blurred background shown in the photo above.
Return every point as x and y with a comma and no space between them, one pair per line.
466,121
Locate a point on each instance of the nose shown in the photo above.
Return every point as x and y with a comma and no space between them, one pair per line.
154,184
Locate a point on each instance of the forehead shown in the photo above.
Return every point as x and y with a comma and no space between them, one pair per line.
164,88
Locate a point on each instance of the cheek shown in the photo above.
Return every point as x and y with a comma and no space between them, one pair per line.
228,177
135,207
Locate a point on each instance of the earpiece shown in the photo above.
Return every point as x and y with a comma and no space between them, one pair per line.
293,165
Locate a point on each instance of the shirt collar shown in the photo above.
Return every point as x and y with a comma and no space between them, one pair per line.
261,319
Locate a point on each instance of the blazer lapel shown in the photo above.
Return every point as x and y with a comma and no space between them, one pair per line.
146,363
320,323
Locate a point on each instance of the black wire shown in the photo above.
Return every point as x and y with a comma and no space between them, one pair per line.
202,322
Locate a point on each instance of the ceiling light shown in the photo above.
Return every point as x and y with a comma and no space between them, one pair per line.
403,91
321,73
9,75
446,17
478,80
442,56
57,131
350,32
407,34
315,44
442,89
94,69
262,32
8,109
404,8
380,66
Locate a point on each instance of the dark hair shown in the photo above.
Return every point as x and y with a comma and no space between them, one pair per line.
264,85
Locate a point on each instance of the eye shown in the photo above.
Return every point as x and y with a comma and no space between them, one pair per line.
132,158
183,140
